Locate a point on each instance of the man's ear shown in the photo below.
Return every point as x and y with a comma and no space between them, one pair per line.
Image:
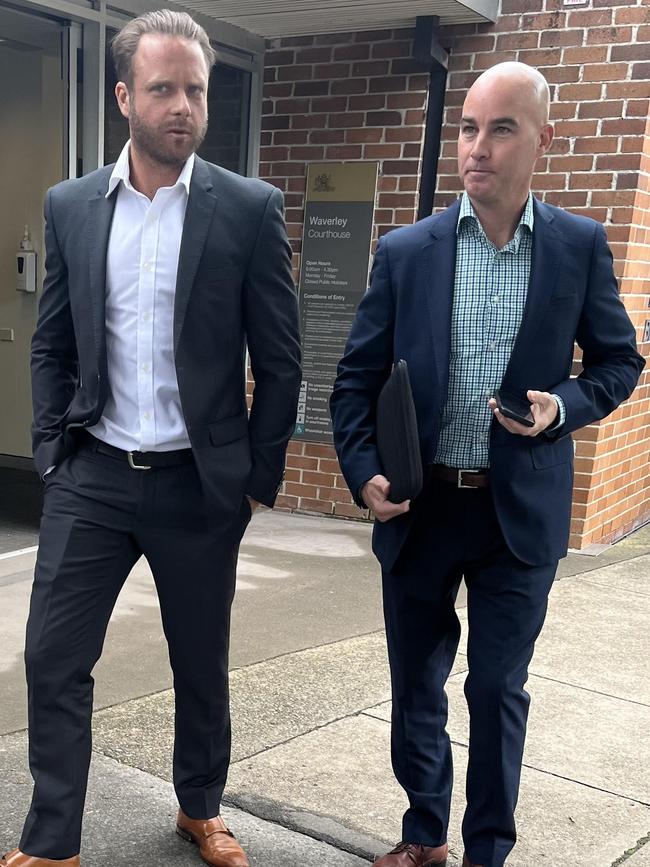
123,98
545,138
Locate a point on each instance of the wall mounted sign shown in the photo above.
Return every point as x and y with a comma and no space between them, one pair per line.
339,210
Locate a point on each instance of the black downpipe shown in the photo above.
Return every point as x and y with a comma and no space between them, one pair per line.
429,52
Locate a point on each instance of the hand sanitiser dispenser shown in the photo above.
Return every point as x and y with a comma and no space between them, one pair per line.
26,264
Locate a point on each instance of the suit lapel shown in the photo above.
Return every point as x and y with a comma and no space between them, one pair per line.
548,250
100,216
437,276
198,216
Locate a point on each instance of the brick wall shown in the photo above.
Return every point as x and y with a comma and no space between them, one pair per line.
596,60
359,96
340,97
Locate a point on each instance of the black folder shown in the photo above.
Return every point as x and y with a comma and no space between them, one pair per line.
397,436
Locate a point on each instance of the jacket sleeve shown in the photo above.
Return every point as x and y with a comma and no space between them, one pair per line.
273,335
610,361
361,374
54,354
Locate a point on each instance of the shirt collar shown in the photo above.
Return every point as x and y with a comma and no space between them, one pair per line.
122,172
467,215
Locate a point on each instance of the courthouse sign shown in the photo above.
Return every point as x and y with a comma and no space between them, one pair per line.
339,209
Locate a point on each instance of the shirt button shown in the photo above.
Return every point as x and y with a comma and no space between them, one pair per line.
148,266
145,368
146,317
495,299
146,415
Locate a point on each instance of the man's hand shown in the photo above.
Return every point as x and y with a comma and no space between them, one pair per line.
544,410
375,495
253,504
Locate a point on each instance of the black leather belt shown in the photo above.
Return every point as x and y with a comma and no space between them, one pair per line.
460,478
136,460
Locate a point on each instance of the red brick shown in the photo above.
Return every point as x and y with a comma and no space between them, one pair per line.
279,58
327,136
576,128
296,40
590,18
350,85
633,16
295,73
308,121
281,89
590,54
388,84
581,163
617,162
402,167
312,505
382,151
344,152
291,136
383,118
329,104
319,450
370,67
364,135
412,150
314,55
389,50
300,490
505,41
346,119
627,181
640,71
541,57
276,121
367,102
636,108
334,38
553,38
556,74
404,134
414,116
591,181
566,200
548,181
563,110
268,155
311,88
356,51
406,100
624,126
627,52
550,21
608,35
603,108
332,70
395,200
292,106
490,58
618,198
580,91
373,35
606,72
310,153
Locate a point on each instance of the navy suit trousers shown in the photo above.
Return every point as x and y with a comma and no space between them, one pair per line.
456,534
99,517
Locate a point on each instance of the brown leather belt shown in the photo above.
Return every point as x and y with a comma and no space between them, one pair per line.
460,478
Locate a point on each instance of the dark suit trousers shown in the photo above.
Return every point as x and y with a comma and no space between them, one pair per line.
456,534
99,516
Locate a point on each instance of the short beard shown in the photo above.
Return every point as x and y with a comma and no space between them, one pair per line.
149,141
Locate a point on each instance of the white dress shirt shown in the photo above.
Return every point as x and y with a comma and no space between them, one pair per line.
143,410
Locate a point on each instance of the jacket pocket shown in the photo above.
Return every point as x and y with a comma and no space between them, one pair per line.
227,430
551,454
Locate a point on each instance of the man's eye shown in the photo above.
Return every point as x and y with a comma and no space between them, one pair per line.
502,130
468,130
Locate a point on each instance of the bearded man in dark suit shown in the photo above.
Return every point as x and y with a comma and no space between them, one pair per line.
161,271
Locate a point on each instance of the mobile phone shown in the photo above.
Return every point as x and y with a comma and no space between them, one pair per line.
515,408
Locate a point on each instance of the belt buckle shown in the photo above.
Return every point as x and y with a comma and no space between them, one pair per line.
133,465
460,479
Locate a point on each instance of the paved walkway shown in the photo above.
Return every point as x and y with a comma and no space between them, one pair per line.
310,782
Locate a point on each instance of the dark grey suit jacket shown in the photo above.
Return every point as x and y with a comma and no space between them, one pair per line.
234,289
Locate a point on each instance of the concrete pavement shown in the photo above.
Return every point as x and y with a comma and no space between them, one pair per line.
310,782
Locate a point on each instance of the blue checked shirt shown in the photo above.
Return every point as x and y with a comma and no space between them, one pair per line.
490,288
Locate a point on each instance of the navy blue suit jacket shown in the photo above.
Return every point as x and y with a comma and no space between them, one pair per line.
406,313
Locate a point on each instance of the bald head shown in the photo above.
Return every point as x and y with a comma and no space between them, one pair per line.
512,74
504,129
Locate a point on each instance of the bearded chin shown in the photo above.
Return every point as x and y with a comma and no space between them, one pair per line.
151,142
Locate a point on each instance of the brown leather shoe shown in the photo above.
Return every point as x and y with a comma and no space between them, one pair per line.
16,858
468,863
217,846
414,855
